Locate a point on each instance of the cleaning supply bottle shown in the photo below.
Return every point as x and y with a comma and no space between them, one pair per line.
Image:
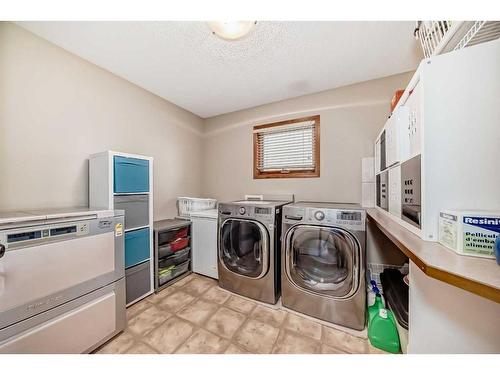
382,329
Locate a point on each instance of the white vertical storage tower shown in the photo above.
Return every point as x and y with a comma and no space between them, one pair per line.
439,148
125,181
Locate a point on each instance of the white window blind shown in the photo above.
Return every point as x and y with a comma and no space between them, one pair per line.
289,147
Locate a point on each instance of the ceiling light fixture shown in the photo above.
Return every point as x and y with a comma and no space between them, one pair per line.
231,30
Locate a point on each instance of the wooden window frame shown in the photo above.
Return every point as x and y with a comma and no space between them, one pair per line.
291,174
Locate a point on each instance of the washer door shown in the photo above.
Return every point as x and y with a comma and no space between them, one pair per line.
244,247
322,260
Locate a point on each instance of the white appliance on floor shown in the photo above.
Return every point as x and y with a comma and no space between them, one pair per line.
204,242
62,286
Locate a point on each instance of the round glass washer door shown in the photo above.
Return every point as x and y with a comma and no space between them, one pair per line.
322,260
244,248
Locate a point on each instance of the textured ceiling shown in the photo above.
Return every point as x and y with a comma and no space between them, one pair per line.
187,65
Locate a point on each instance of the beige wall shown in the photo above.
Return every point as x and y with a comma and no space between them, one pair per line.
56,109
351,117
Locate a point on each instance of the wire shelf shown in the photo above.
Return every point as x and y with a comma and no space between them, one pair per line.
437,37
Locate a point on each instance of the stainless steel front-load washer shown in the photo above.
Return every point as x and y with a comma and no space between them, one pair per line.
323,262
249,248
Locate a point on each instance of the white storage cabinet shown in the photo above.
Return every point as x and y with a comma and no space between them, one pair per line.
204,242
124,181
448,117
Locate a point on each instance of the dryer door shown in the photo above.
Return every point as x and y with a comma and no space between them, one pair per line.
323,260
244,247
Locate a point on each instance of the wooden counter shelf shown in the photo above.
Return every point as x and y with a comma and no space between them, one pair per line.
476,275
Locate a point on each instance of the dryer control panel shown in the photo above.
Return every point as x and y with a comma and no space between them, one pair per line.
350,219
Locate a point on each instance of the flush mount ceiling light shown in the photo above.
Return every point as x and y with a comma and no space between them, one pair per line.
231,30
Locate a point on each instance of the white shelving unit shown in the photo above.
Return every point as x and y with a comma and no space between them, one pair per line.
103,194
447,116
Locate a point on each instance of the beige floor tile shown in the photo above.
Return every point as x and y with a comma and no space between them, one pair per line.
303,326
176,301
167,337
136,308
256,336
184,280
240,304
294,343
225,322
373,350
203,342
325,349
274,317
141,348
234,349
344,341
216,295
198,311
162,294
147,320
198,285
119,344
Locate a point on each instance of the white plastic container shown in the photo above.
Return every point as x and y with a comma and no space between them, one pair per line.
186,205
470,233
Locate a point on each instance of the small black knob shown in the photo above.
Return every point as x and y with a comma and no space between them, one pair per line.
2,250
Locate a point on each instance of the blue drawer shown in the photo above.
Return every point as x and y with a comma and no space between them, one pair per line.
136,247
131,175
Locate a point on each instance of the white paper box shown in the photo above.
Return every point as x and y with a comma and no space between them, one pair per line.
470,233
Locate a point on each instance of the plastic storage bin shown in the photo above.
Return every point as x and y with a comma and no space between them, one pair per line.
172,273
165,237
136,209
186,205
137,281
175,259
131,175
136,247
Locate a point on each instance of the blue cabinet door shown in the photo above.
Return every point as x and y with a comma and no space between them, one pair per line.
136,247
131,175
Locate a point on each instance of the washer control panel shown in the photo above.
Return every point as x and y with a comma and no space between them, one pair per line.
319,215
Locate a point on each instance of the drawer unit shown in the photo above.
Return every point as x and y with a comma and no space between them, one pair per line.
138,281
136,208
383,151
414,122
131,175
410,191
395,191
172,251
391,141
124,181
136,247
382,191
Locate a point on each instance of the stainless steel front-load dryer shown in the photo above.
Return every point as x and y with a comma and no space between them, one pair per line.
249,248
323,262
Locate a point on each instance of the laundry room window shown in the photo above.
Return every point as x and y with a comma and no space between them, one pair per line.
287,149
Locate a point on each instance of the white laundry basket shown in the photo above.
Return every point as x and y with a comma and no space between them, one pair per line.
186,205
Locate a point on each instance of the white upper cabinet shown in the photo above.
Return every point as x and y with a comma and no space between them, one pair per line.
413,128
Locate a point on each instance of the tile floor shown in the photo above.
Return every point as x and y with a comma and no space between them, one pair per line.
195,316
